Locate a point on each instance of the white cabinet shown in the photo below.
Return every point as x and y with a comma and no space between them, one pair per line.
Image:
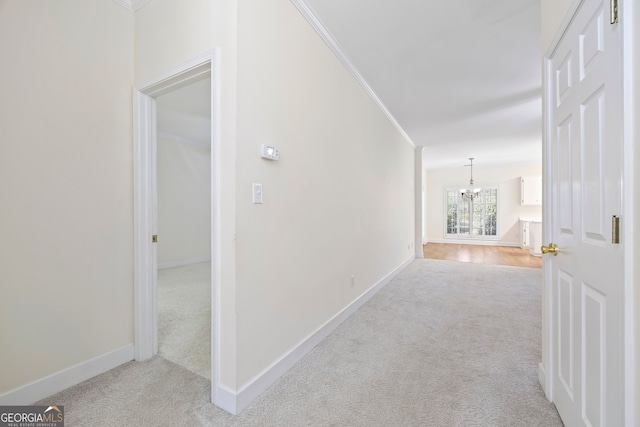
524,231
535,238
531,191
531,229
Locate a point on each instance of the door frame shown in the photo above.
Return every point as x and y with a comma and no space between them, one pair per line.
145,204
627,21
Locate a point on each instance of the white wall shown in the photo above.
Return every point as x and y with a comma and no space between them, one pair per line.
168,32
66,272
507,178
184,202
339,202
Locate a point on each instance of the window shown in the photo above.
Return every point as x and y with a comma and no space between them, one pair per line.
477,219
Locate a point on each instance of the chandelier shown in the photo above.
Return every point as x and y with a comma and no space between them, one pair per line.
470,193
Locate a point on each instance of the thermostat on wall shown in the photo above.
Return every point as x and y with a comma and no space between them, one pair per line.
269,152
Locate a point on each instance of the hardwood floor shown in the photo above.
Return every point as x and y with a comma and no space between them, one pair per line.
497,255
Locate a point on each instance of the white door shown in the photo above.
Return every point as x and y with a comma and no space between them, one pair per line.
584,149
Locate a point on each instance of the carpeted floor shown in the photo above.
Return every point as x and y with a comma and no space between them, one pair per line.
184,316
443,344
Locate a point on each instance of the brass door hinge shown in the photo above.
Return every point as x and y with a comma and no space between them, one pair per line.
613,5
615,229
154,238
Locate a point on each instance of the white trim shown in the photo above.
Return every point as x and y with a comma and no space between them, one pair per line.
629,24
137,4
219,209
542,378
547,344
193,70
315,22
125,3
471,239
181,262
548,362
226,399
478,242
237,402
176,138
418,192
58,381
132,5
144,126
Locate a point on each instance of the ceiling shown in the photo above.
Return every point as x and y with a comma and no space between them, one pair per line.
461,77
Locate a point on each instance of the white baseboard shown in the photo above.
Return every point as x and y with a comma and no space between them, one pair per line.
182,262
542,378
475,242
225,399
237,402
56,382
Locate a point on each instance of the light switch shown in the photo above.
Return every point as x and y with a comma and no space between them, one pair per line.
257,193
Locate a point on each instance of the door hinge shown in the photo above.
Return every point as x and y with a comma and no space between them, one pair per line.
615,229
613,5
154,238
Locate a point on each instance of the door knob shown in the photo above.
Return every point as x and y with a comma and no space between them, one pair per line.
551,249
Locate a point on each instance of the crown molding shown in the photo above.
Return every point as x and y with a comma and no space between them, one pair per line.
132,5
317,25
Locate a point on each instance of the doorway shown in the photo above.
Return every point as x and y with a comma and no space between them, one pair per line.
183,165
146,204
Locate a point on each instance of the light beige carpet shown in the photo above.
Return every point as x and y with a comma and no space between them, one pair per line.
184,316
443,344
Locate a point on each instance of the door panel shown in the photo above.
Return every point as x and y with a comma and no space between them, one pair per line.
585,173
565,332
592,176
565,184
591,42
593,357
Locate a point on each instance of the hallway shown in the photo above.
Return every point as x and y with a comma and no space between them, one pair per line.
442,344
